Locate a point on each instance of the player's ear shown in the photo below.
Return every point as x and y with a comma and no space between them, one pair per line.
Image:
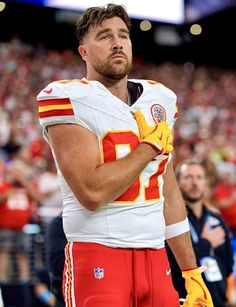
83,52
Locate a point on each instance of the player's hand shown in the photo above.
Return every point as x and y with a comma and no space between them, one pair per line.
158,136
197,293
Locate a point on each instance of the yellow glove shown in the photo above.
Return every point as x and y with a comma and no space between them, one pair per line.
158,136
197,293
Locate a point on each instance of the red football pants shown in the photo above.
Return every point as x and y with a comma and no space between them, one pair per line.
99,276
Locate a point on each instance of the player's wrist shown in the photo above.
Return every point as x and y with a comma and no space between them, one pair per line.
149,148
158,150
190,270
194,271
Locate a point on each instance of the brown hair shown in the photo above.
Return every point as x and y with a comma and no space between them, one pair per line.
94,16
189,162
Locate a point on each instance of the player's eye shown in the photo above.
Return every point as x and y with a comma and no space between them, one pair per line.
124,36
105,36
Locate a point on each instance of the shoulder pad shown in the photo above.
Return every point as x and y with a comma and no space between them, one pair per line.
154,85
65,88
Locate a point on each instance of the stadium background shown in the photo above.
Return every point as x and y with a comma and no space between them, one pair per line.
201,69
56,30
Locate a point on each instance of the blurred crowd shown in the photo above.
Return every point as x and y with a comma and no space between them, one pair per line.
205,129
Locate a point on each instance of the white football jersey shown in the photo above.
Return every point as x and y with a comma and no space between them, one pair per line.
135,219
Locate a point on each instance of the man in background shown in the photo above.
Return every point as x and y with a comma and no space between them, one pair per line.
210,235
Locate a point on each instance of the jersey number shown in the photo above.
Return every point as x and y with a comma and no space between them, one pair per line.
117,144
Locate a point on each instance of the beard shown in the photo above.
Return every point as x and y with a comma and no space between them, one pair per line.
114,69
192,198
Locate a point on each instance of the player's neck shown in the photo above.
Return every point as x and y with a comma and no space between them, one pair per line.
119,90
117,87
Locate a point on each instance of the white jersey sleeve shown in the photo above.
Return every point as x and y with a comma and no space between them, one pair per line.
55,105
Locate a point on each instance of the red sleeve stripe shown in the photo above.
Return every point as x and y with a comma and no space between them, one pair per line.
49,102
56,113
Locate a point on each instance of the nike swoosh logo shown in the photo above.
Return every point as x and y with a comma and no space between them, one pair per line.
168,272
48,91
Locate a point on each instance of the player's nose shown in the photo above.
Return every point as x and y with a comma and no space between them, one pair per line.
117,43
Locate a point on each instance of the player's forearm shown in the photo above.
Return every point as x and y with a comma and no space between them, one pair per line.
174,206
78,156
108,181
175,212
182,249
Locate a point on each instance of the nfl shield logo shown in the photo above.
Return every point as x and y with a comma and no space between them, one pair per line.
98,273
